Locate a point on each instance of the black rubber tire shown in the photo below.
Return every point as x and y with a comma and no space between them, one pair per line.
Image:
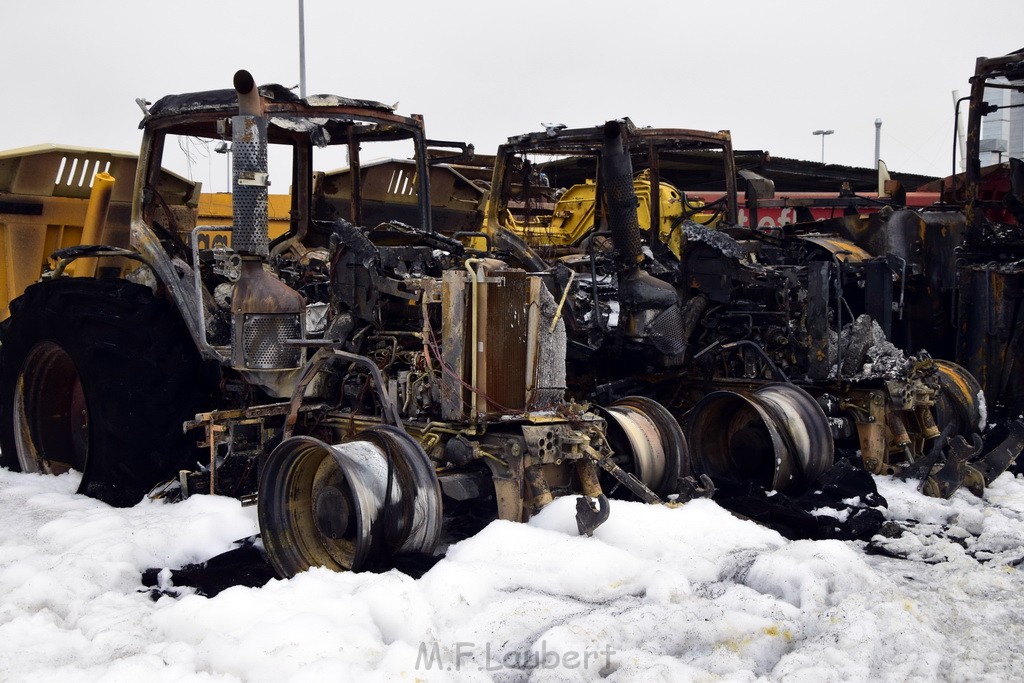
139,377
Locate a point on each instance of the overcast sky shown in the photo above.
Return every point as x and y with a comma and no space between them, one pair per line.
771,72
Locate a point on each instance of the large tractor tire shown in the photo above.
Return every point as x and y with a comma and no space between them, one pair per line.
98,376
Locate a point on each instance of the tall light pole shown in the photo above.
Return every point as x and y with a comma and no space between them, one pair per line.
823,133
302,50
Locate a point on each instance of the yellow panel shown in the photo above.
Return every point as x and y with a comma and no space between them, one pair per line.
842,249
23,255
215,209
573,216
60,179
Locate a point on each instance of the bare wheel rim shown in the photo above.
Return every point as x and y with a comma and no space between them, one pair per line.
300,486
333,506
51,419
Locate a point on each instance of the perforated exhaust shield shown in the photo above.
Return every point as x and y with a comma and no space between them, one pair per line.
249,207
621,196
263,337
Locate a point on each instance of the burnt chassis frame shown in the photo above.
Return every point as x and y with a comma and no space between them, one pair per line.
535,462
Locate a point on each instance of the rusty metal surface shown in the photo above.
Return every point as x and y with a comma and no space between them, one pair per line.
842,249
265,312
504,318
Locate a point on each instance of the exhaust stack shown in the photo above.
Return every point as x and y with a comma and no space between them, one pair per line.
265,312
651,305
249,233
621,197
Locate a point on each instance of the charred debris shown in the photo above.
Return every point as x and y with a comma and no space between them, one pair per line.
782,349
393,372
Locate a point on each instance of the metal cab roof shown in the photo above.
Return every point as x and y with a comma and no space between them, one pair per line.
226,100
325,118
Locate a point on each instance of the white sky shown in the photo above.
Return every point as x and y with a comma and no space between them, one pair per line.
481,71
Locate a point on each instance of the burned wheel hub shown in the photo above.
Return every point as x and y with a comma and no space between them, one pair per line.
650,441
332,507
733,437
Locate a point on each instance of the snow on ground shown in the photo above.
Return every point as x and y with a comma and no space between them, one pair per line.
657,594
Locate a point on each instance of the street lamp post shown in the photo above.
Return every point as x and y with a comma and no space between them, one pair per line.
302,49
823,133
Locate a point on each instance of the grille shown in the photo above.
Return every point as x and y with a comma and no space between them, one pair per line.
263,338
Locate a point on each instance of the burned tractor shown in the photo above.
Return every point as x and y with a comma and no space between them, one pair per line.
773,348
948,277
375,390
963,257
957,264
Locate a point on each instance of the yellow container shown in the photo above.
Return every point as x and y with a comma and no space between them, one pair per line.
44,199
215,209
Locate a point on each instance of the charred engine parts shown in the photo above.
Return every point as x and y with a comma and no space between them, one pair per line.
773,348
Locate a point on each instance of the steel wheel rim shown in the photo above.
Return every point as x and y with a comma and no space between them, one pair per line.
301,482
648,460
804,423
658,451
51,418
333,506
733,437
